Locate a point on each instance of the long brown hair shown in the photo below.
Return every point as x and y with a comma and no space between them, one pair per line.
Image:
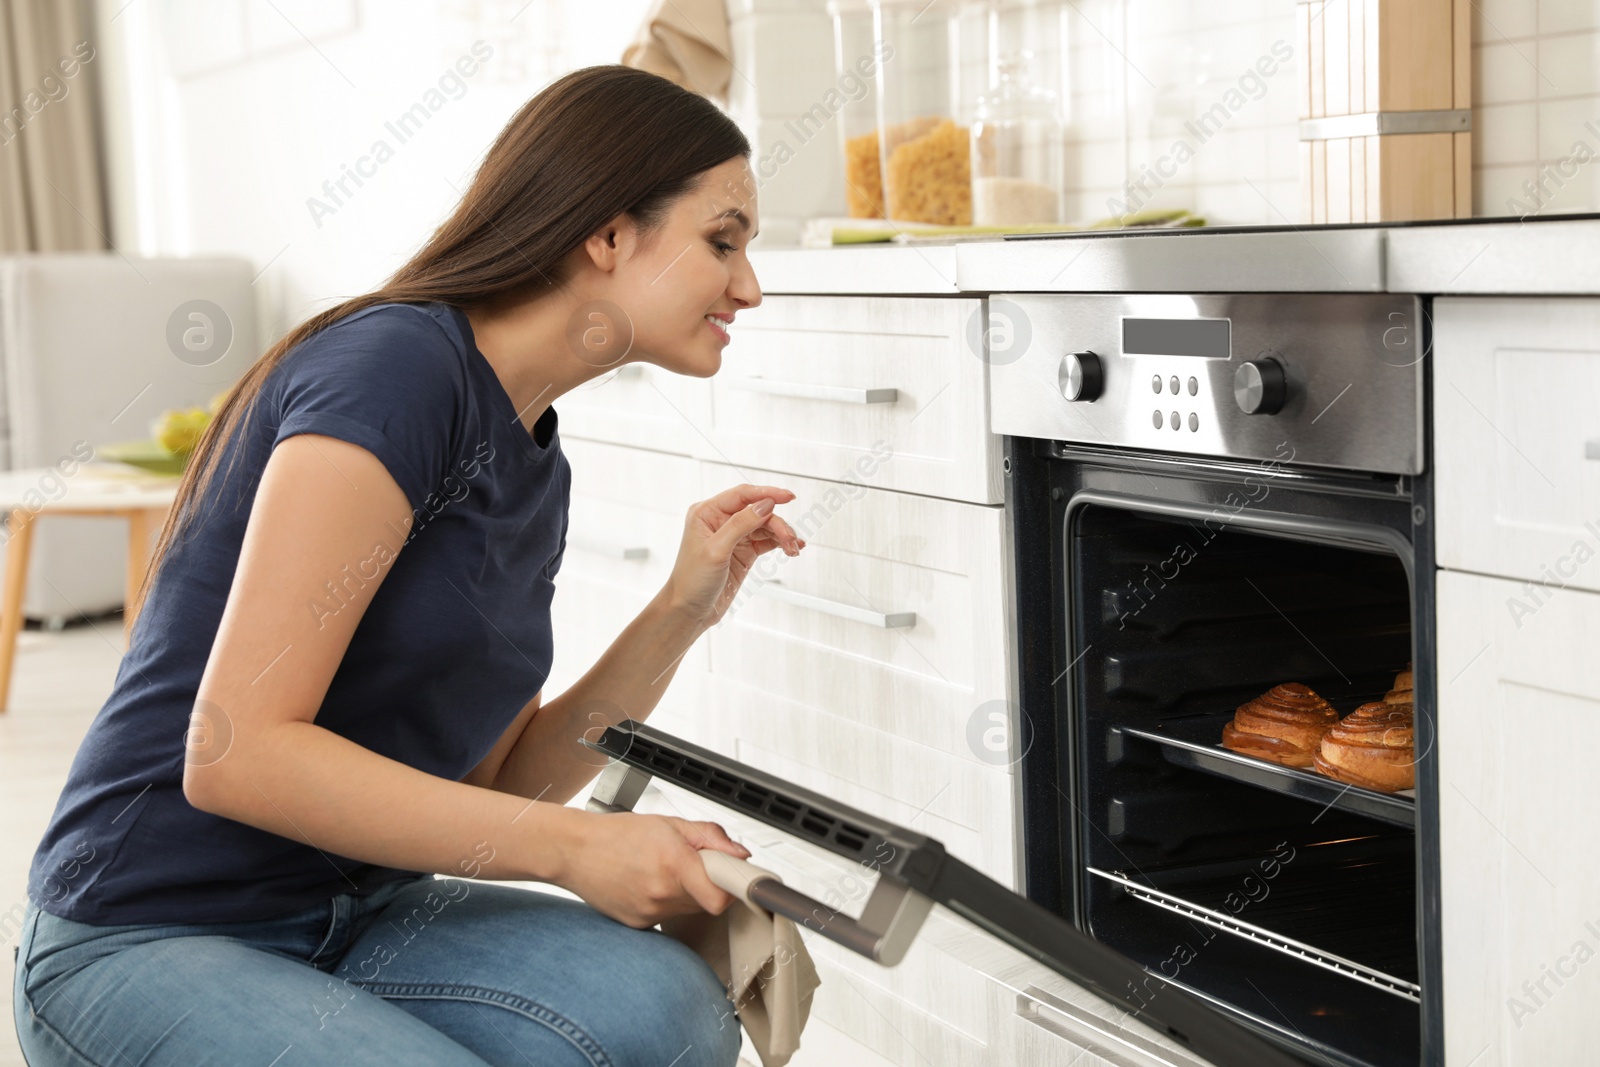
593,144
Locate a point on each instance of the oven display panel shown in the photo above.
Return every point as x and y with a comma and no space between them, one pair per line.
1205,338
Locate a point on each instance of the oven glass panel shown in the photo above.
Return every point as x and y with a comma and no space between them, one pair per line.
1291,900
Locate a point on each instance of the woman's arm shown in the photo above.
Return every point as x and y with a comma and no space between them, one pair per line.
722,538
323,504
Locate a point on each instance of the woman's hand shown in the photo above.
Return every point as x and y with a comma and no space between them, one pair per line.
721,539
640,869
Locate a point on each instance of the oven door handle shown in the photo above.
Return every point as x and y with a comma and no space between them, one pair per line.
889,922
812,391
773,589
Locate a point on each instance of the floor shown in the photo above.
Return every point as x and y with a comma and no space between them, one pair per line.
60,681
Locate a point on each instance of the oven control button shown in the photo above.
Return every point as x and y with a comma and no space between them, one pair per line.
1080,377
1194,387
1157,420
1155,383
1260,387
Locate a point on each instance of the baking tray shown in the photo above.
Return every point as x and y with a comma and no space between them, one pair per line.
1396,809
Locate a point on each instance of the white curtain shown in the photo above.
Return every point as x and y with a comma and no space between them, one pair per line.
52,184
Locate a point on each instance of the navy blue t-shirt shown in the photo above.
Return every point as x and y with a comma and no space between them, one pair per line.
455,642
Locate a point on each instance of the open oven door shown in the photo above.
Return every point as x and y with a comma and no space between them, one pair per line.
914,873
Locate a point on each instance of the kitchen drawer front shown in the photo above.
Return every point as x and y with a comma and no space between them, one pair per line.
639,404
895,615
1519,726
624,525
829,385
1517,438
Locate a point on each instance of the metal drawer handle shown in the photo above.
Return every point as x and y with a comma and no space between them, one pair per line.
889,920
1591,449
809,391
776,590
598,546
1085,1030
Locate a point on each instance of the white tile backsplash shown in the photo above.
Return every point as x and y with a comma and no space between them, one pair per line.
1563,124
1562,16
1498,20
1504,72
1567,65
1505,134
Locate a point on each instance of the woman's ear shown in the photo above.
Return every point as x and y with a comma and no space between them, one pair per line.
612,243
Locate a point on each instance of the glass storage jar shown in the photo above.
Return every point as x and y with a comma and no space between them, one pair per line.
931,52
1018,148
856,63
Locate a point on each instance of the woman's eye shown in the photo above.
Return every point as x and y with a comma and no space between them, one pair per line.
722,247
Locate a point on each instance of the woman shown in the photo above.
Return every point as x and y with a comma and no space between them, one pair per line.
350,613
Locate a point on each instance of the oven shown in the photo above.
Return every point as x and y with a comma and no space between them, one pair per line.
1211,495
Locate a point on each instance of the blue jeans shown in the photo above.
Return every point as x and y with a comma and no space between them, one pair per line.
443,972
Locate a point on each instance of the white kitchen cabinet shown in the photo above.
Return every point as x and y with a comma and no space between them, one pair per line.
638,404
624,526
815,385
1519,727
1517,439
808,682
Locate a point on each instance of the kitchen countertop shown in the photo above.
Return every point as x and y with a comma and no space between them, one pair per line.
1539,256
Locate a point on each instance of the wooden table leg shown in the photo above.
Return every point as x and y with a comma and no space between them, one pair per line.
140,524
18,548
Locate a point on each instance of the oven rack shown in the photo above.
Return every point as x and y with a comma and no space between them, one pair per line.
1396,809
1347,968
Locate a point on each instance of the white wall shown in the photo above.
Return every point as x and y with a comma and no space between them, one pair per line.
226,117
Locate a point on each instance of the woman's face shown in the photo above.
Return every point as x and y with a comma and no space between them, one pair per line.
682,287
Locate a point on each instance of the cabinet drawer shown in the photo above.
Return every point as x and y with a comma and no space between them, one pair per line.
894,616
817,384
1517,438
639,404
624,525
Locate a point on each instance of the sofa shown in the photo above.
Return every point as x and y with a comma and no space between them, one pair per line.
93,347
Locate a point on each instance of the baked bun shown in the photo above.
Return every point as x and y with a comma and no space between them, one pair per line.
1400,692
1284,725
1373,747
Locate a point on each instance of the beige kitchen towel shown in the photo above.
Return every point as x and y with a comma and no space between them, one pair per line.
758,955
687,42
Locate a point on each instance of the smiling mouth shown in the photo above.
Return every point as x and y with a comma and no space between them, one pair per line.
716,328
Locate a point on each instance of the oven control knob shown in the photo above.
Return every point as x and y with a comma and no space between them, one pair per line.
1260,387
1080,376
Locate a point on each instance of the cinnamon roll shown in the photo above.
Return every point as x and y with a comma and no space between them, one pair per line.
1400,692
1284,725
1373,747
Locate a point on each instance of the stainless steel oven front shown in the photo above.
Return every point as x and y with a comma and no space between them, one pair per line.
1211,495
